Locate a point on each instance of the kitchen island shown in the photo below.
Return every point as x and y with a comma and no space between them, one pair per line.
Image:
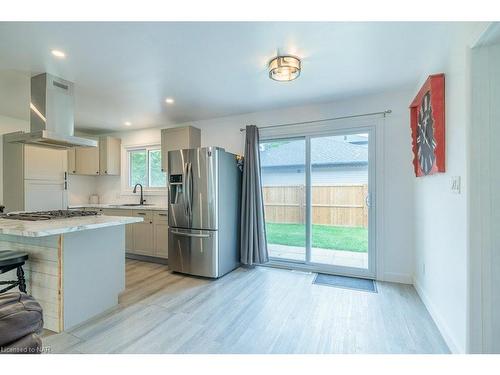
146,241
76,266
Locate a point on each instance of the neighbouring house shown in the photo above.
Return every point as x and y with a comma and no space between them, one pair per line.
334,160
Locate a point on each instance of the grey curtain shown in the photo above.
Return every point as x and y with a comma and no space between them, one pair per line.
253,231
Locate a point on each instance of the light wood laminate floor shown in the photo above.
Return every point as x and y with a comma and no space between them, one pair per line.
260,310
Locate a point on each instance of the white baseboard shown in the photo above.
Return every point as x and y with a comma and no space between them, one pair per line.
439,320
394,277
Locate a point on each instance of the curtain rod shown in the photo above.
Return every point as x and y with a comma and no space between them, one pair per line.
385,113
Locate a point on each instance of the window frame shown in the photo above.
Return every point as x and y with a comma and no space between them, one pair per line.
126,188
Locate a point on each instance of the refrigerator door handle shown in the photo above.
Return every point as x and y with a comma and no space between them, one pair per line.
190,234
184,187
190,195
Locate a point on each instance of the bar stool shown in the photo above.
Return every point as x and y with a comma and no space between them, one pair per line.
10,260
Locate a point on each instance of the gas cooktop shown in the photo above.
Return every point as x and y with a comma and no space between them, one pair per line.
48,215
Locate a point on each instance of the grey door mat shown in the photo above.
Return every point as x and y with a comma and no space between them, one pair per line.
346,282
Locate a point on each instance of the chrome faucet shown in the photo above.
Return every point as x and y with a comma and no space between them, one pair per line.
142,200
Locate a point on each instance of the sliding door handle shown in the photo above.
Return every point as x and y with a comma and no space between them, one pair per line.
368,200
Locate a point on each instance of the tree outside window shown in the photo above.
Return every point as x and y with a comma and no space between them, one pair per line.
145,167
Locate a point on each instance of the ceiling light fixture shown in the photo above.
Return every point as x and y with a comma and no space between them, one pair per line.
169,101
284,68
59,54
128,123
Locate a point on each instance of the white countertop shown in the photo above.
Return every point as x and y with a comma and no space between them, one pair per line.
152,207
45,228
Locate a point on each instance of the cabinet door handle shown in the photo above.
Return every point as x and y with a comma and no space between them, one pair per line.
141,213
162,214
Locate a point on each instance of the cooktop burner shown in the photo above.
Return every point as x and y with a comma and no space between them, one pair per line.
48,215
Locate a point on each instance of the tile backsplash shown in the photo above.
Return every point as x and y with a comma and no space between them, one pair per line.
108,189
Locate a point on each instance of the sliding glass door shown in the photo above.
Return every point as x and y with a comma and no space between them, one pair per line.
317,194
283,164
339,186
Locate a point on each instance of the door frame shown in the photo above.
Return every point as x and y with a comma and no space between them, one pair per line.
352,127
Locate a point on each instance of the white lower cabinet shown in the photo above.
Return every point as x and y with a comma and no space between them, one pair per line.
160,223
143,234
148,238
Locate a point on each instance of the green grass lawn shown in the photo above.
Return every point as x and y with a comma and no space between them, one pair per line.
323,236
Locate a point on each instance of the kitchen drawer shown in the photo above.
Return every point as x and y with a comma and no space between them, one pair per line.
160,217
86,209
115,212
147,215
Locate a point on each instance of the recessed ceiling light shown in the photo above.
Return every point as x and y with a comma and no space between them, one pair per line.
59,54
128,123
169,101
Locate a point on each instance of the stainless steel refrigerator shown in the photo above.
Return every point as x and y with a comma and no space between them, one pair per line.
204,211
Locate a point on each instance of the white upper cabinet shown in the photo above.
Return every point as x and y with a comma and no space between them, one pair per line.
94,161
109,156
178,139
87,160
43,163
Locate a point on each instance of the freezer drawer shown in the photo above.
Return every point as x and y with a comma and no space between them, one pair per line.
193,252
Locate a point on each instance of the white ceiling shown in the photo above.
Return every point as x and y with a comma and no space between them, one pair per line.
124,71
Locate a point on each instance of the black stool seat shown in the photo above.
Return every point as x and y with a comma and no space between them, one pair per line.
12,258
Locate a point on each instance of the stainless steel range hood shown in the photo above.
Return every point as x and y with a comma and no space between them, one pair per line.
51,115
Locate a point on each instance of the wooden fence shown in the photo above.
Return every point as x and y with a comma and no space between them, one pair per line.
339,205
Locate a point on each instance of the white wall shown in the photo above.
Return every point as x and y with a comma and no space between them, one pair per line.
441,217
484,301
80,188
396,251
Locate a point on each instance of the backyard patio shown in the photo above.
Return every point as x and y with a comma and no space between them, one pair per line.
332,245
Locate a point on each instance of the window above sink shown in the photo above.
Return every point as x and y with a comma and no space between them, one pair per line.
144,167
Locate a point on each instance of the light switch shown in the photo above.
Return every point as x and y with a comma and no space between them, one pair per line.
455,184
